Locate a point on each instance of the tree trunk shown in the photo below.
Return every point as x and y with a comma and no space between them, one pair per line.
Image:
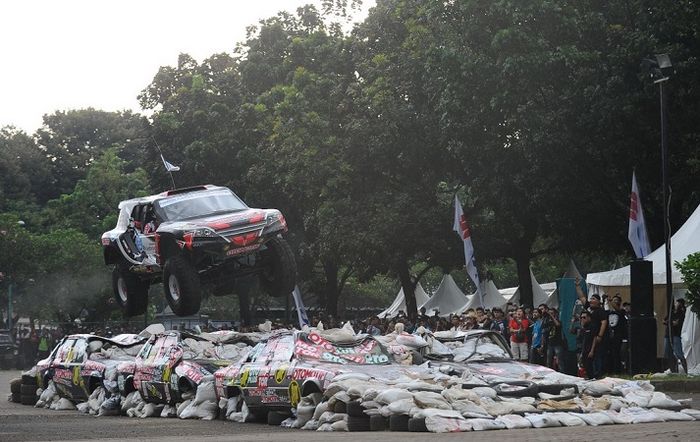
330,270
522,260
244,307
409,290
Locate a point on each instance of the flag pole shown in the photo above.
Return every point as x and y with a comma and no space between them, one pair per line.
170,172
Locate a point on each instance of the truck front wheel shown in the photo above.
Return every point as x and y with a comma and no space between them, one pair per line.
182,288
130,292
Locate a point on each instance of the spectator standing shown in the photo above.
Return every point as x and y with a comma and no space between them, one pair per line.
499,323
599,327
674,344
555,340
617,326
518,327
588,344
537,354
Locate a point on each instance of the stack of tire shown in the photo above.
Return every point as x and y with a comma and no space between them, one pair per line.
357,419
27,390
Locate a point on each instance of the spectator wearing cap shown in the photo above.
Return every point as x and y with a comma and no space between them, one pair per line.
499,323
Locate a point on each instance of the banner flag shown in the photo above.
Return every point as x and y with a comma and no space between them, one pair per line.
637,232
462,228
301,310
168,166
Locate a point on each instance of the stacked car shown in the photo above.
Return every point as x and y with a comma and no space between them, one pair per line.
79,364
174,363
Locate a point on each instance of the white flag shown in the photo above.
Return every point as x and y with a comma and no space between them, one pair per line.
169,167
637,232
301,310
462,228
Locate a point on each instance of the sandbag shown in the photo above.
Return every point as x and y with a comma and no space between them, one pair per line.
429,399
331,417
618,418
512,421
668,415
110,407
168,411
595,419
422,413
392,395
641,415
542,420
439,424
205,391
568,420
692,412
487,392
661,400
458,393
486,424
63,404
402,406
47,396
341,425
469,409
320,409
83,407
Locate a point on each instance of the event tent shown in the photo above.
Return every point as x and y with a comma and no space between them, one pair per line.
684,242
492,297
400,302
447,299
541,293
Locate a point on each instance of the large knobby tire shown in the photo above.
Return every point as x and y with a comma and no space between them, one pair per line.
355,409
417,424
28,379
181,285
378,423
358,423
130,292
279,277
398,422
276,418
340,407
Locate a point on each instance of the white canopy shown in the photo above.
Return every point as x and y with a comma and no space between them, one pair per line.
492,297
447,299
684,242
690,338
541,293
400,302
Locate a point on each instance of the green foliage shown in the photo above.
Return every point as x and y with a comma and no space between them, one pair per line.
690,269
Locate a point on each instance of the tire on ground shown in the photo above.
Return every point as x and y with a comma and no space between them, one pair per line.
28,379
15,385
556,388
28,399
27,390
528,389
340,407
358,423
417,424
16,397
279,278
182,287
354,409
130,292
398,422
378,423
275,417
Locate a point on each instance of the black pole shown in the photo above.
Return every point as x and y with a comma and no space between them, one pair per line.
667,226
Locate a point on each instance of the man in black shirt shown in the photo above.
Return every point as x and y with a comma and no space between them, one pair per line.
617,326
599,329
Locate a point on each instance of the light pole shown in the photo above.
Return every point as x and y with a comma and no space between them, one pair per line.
656,71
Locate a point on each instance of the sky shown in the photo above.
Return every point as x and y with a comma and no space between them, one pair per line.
75,54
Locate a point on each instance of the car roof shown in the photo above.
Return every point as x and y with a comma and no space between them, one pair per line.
165,194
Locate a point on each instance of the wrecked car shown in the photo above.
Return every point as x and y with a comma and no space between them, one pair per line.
174,363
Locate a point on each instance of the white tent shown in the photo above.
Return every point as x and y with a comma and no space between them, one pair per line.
447,299
690,338
400,302
492,297
684,242
541,293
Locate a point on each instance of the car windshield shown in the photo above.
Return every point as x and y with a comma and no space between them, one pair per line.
198,204
312,346
478,347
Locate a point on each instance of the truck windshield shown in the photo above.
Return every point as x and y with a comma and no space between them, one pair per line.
198,204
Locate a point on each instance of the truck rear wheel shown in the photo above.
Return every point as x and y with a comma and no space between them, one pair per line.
182,288
279,277
130,292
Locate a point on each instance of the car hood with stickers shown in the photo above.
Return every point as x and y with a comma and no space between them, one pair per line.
173,363
82,362
290,365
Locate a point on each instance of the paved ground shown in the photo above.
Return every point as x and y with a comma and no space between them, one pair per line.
22,423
